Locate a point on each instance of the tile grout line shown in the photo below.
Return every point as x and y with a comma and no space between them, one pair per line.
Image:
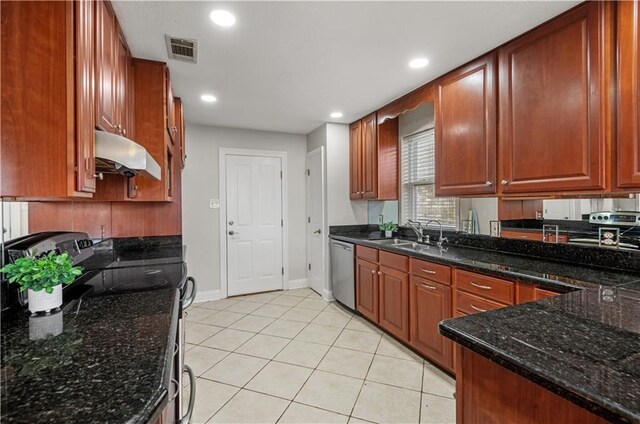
365,379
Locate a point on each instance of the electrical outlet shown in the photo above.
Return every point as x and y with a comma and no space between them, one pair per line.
214,203
380,219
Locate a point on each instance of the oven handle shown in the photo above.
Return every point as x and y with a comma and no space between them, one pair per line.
186,302
192,395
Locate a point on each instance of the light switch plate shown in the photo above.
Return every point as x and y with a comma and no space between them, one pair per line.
214,203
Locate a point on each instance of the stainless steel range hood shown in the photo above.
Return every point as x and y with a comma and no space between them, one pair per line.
117,154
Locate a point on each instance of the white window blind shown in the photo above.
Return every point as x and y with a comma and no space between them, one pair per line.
419,202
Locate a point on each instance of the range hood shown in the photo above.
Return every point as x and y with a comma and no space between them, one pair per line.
119,155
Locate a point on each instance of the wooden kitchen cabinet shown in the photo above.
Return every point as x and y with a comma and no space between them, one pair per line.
528,292
628,91
106,65
179,117
367,289
394,301
373,159
47,139
465,129
554,106
172,129
430,303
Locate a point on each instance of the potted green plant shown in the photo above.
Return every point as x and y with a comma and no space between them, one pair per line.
43,276
388,228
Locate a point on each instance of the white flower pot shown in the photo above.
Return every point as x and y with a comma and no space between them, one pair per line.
388,233
41,301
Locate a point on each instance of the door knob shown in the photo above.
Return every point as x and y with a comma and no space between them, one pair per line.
318,231
231,232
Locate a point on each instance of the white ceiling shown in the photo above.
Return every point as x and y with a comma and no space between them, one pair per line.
285,66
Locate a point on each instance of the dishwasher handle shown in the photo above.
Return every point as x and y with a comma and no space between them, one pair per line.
344,246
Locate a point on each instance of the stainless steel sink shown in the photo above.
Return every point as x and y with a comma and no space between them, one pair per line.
394,242
403,244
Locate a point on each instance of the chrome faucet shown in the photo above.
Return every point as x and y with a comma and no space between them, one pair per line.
417,228
441,240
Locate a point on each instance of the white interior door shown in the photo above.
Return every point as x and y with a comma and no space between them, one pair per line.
315,222
254,224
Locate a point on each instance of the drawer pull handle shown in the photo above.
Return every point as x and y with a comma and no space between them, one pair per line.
475,308
480,286
426,286
428,271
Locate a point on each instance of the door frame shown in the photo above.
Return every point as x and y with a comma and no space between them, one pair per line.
326,286
222,187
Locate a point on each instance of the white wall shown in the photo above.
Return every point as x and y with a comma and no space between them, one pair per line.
200,183
340,209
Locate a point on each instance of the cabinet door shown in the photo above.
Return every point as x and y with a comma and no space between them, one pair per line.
430,303
466,103
394,302
554,111
355,160
367,289
171,114
369,157
85,79
628,148
122,80
179,113
106,38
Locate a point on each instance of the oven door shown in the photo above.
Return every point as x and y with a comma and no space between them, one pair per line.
188,291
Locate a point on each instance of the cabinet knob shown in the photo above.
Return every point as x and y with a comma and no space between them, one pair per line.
379,272
488,183
373,271
504,182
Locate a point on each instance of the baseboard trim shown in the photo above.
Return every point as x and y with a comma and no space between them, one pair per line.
206,296
328,295
297,284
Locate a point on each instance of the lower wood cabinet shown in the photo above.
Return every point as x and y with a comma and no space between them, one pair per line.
488,393
430,303
367,289
394,302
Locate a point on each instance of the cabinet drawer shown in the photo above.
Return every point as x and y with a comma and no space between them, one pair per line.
395,261
467,304
367,253
488,287
431,271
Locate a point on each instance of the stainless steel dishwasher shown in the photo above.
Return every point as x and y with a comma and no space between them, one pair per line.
342,273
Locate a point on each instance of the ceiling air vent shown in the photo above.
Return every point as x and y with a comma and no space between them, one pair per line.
182,49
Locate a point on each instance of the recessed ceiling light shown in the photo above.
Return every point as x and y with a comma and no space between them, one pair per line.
336,114
417,63
209,98
222,18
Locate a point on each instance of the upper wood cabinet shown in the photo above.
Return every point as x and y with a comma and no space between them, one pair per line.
47,138
107,50
113,75
373,161
465,130
85,13
355,160
171,112
554,104
628,90
179,118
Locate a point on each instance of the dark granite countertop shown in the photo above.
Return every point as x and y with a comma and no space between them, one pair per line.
553,275
583,346
111,363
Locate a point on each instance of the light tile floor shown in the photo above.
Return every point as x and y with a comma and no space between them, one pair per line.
291,357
